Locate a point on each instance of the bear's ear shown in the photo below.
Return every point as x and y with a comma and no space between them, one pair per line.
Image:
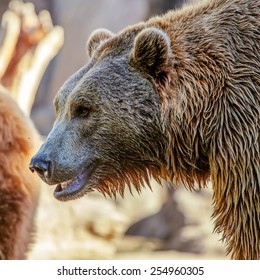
151,51
96,38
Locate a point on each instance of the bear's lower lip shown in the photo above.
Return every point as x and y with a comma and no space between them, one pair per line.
74,188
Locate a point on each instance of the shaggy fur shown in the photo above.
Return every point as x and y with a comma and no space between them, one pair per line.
176,97
18,188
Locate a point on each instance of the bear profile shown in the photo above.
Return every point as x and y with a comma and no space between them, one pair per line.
19,190
176,97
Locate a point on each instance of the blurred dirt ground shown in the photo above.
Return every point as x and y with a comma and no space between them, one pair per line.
94,227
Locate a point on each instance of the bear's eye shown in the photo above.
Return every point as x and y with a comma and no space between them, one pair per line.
82,111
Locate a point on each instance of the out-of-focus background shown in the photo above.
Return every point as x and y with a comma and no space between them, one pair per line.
166,223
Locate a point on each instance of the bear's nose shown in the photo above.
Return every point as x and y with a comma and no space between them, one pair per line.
41,166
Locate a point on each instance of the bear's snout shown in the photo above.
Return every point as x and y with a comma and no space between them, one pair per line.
41,165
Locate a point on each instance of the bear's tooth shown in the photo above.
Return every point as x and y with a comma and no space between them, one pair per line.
65,184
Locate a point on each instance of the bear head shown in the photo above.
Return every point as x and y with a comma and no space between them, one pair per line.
108,131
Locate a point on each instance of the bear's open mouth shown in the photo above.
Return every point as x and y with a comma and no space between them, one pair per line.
74,188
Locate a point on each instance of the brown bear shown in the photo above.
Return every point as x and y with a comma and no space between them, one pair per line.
176,97
18,188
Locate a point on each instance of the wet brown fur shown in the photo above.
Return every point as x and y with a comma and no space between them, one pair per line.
18,188
219,72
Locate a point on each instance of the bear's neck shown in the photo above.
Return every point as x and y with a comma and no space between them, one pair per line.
200,66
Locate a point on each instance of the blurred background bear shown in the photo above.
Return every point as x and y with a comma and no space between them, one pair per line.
19,190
